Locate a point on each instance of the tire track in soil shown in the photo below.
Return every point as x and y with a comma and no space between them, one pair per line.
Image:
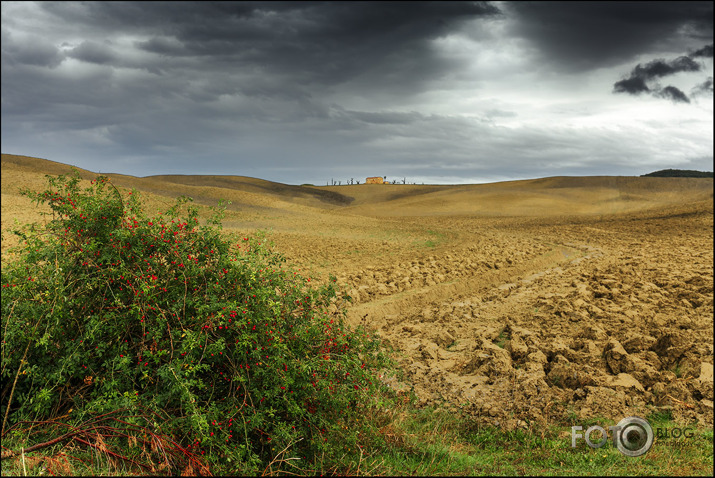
382,313
538,342
447,330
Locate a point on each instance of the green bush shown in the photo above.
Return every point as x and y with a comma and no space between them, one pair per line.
236,357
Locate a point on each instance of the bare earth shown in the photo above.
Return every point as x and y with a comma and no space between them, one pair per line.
521,303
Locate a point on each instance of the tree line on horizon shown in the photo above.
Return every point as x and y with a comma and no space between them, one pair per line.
334,182
678,173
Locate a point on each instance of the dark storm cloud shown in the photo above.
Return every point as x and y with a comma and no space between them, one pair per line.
705,52
633,85
308,42
674,94
235,62
582,35
636,83
661,68
292,91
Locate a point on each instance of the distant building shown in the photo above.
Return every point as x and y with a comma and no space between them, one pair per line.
374,180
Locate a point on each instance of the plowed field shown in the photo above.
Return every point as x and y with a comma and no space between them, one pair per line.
521,302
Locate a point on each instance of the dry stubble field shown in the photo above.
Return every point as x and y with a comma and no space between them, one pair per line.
522,303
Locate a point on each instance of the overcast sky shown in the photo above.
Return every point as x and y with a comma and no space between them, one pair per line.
302,92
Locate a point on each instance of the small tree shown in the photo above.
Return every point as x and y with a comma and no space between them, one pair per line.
226,350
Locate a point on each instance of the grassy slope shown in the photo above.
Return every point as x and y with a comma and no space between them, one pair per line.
547,196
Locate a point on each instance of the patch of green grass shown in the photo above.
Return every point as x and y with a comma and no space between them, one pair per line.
435,441
502,339
435,238
438,442
661,417
550,452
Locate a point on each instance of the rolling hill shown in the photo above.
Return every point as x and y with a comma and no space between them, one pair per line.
553,196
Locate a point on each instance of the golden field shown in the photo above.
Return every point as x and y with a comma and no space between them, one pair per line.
519,302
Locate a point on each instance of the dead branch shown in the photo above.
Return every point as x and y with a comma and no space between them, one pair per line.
685,404
11,453
112,453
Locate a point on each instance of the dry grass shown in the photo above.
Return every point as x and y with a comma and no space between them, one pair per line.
556,196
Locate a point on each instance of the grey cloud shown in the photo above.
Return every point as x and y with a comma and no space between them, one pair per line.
36,53
660,68
107,16
633,85
162,46
636,83
705,52
704,88
385,117
431,146
291,91
307,43
585,35
497,113
673,93
92,52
